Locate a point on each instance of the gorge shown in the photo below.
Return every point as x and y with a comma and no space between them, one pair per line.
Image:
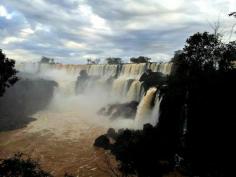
108,84
69,120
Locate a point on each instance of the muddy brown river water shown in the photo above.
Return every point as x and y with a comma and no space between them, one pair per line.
60,142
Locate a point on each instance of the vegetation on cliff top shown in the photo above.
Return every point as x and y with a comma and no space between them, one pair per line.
195,130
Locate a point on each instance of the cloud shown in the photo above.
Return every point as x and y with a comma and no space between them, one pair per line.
71,30
4,13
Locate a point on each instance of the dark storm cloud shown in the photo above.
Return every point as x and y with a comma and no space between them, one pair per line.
72,30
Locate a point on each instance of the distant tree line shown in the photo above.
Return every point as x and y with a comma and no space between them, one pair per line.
140,59
91,61
47,60
113,60
116,60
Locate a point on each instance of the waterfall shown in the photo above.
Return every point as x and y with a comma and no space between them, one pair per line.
112,83
119,86
156,111
102,70
145,107
134,92
133,70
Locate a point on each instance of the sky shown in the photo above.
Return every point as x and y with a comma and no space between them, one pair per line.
73,30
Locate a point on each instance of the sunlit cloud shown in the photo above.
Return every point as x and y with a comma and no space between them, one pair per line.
74,45
4,13
9,40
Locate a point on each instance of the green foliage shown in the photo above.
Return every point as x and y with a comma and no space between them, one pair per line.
196,109
7,73
115,61
205,52
17,166
22,166
140,59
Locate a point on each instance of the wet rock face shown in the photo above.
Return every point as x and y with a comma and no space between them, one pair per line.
81,81
125,110
151,79
102,141
84,81
111,133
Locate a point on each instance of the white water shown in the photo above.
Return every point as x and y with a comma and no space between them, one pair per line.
126,87
156,111
144,110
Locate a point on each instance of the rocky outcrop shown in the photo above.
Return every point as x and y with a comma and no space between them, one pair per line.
152,79
126,110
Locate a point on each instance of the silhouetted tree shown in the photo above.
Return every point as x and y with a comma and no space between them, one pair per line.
22,166
88,61
7,72
112,60
17,166
47,60
95,61
140,59
233,14
197,104
177,55
196,122
205,52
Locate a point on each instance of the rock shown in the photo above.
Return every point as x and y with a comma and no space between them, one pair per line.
152,79
111,133
102,141
124,110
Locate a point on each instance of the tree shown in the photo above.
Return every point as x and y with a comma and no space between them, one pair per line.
233,26
93,61
233,14
22,166
47,60
97,61
177,55
88,61
17,166
206,52
140,59
198,103
196,125
112,60
7,73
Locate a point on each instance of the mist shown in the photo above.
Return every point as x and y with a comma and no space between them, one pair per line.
54,91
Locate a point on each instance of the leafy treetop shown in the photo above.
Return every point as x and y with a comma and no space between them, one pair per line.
114,60
205,52
140,59
7,72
